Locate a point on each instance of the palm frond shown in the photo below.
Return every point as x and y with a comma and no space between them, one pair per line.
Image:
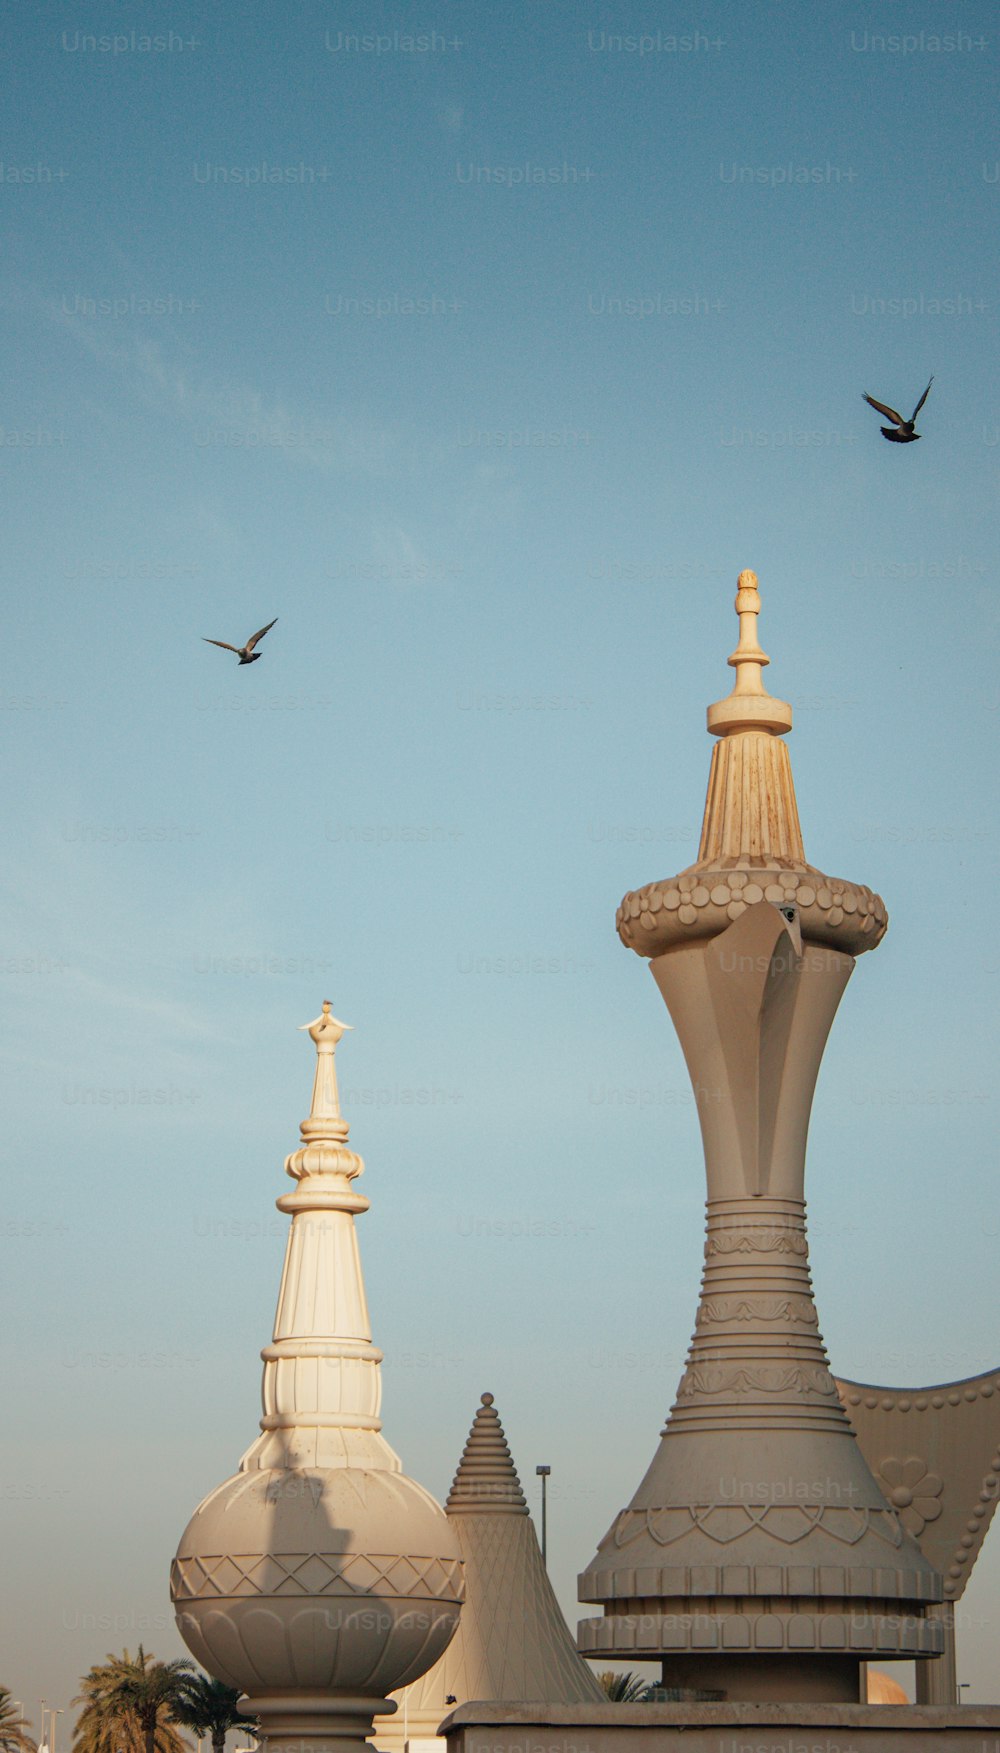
14,1737
128,1705
623,1688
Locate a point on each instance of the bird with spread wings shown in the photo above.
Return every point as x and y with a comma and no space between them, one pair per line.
245,653
902,431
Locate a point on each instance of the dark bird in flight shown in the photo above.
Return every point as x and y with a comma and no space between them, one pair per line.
902,432
245,653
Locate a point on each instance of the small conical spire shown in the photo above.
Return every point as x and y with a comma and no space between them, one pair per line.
512,1642
749,706
486,1479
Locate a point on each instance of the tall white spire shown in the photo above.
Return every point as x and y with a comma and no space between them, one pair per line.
322,1387
319,1578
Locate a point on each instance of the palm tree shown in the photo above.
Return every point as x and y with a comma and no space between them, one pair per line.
623,1688
128,1705
209,1707
14,1737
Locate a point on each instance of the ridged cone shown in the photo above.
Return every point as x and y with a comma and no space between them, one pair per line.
512,1644
486,1476
750,809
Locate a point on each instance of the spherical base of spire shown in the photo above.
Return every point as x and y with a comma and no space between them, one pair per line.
303,1581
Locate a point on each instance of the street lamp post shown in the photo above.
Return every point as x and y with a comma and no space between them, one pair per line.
543,1474
52,1728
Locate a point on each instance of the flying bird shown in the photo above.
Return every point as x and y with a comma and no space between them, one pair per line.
902,432
245,653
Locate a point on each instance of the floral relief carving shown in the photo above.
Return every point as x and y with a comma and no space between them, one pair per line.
761,1378
913,1491
784,1241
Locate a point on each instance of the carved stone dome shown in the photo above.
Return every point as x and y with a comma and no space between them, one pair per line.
318,1578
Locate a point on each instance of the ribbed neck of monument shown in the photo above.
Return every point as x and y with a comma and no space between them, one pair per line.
757,1355
750,807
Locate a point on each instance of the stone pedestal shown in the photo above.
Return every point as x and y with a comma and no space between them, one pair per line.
723,1728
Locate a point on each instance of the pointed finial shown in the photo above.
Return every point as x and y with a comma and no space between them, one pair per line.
326,1031
326,1027
749,706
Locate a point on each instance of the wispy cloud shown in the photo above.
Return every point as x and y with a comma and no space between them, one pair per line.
221,412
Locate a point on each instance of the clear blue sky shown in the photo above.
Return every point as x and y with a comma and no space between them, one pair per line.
485,367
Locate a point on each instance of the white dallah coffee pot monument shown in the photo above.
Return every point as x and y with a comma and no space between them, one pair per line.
758,1555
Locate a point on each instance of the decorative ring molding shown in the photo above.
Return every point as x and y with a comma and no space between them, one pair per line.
787,1522
757,1379
364,1574
704,902
747,1306
863,1634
